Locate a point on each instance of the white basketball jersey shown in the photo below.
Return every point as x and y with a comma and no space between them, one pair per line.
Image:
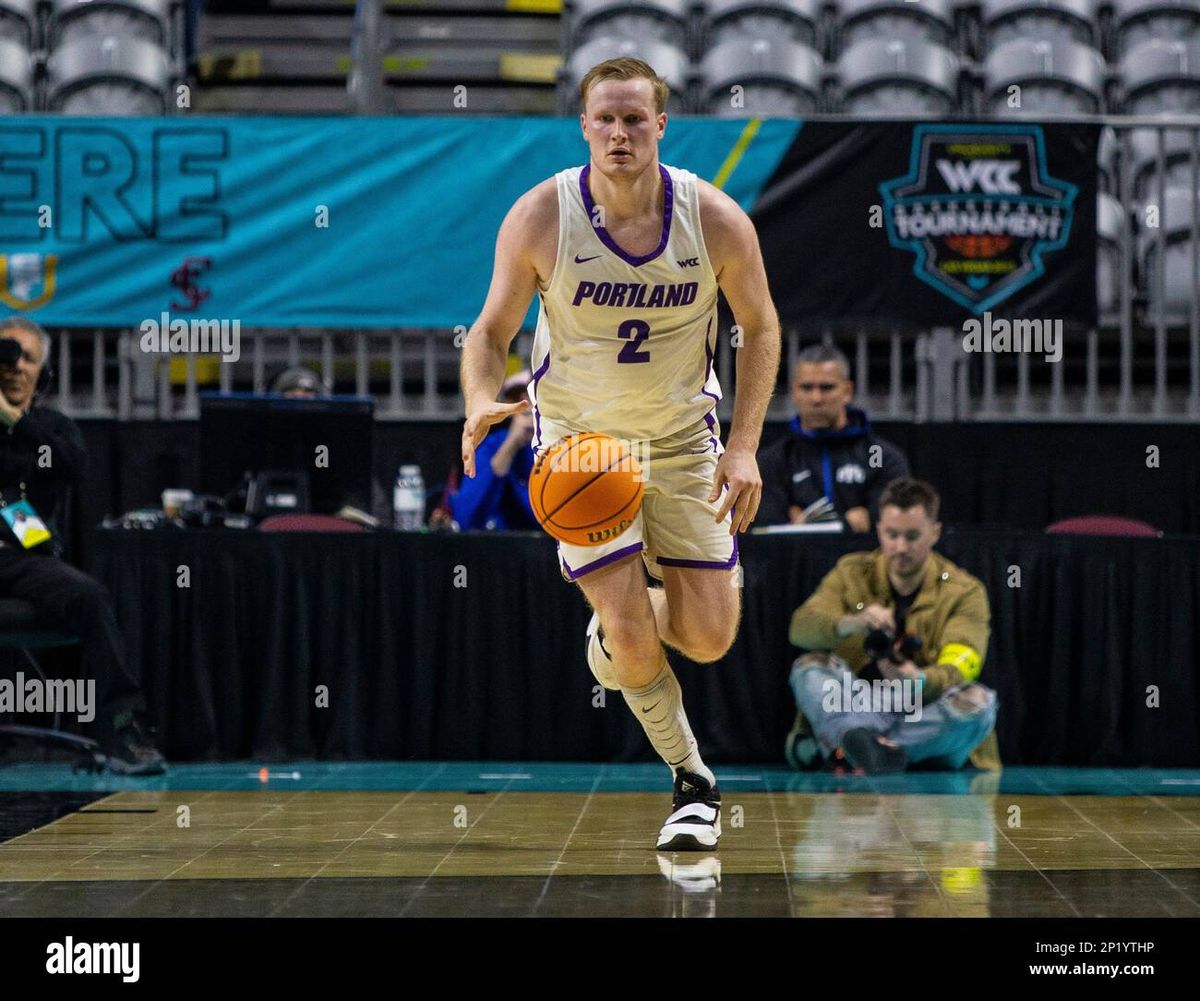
624,345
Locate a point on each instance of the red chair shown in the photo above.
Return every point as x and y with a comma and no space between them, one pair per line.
1103,524
308,523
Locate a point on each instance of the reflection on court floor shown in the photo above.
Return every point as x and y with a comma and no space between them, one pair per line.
498,839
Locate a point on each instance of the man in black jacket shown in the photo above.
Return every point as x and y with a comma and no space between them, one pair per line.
41,455
829,451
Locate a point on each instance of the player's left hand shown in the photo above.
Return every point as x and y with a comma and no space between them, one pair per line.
738,471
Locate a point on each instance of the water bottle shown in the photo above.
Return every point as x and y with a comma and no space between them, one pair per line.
408,499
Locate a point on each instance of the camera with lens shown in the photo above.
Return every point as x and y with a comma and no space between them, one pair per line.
881,644
10,351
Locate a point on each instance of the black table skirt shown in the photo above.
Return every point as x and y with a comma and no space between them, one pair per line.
471,647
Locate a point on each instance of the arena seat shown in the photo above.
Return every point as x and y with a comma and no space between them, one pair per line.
1103,524
1138,21
1143,159
18,21
71,20
773,20
1041,20
780,78
669,61
1111,226
644,20
1054,77
1175,222
308,523
17,76
1162,77
898,77
928,21
1108,151
109,76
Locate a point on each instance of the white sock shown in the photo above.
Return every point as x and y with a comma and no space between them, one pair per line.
659,708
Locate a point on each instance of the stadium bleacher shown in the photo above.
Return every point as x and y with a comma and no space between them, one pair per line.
1008,60
295,57
90,57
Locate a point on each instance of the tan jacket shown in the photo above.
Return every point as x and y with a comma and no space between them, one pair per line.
950,613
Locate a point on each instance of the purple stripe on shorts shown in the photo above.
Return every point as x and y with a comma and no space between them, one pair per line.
603,561
608,241
543,368
666,561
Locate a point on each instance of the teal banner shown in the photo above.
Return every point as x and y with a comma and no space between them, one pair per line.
366,222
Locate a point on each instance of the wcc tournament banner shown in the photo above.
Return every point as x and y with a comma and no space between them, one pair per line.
932,224
353,222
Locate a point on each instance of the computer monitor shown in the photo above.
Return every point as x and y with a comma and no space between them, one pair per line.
261,432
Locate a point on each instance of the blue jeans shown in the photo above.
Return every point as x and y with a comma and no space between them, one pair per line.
944,736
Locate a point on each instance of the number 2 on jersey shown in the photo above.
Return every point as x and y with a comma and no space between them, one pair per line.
634,331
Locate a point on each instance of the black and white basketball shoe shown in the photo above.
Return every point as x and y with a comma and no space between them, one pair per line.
695,821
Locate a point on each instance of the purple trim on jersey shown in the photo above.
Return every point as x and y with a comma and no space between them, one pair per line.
543,368
666,561
708,364
603,561
608,241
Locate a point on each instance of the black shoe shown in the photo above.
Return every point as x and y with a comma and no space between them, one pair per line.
864,750
801,749
695,821
129,751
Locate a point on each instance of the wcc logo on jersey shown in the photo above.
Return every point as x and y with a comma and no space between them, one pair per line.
978,210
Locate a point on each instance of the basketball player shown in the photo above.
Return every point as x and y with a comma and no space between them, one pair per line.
626,255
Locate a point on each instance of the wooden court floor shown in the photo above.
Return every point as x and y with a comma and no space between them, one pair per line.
423,839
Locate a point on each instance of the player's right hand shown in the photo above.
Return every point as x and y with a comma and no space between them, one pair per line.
476,426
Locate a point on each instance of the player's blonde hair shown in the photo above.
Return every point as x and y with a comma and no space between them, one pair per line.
625,68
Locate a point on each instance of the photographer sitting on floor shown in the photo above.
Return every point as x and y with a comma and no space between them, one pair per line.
897,639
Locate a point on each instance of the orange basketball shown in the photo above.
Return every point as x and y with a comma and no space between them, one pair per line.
586,489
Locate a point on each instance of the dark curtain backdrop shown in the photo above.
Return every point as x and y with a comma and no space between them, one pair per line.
1016,475
471,647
